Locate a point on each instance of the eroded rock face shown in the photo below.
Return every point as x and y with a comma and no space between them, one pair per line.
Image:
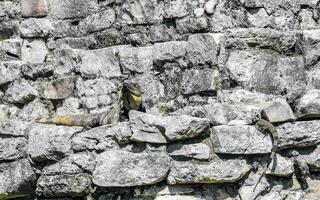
114,168
217,171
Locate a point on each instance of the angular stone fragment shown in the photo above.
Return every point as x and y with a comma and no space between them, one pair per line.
192,25
34,27
50,142
35,110
277,112
9,71
258,17
198,151
312,158
202,49
71,9
210,6
57,89
34,8
74,181
12,148
98,21
157,129
156,190
308,106
20,92
120,168
168,51
34,51
217,171
181,197
102,138
299,134
280,166
240,139
163,33
176,8
136,59
12,46
17,179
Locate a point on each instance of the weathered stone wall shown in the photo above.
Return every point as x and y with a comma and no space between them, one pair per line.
205,67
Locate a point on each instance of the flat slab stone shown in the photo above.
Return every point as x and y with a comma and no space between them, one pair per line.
103,137
299,134
14,128
218,171
199,151
158,129
240,139
120,168
17,178
50,142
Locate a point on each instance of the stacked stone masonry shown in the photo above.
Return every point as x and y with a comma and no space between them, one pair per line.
206,68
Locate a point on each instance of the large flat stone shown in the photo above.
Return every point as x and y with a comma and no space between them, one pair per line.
17,179
240,139
299,134
120,168
217,171
50,142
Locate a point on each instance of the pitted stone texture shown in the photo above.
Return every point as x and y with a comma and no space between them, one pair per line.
34,27
177,8
268,74
241,139
34,8
157,129
308,107
34,51
120,168
202,49
12,148
57,89
299,134
182,197
277,112
74,181
280,166
169,52
50,142
20,92
71,9
36,109
98,21
12,46
17,178
192,25
217,171
142,12
259,18
9,71
97,93
163,32
13,128
199,151
136,59
102,138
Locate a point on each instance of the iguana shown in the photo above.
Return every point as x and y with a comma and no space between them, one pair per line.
267,127
85,120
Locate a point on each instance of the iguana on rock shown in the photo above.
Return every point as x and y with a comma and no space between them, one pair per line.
86,120
267,127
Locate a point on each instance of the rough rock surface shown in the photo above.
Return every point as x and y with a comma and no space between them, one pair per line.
205,68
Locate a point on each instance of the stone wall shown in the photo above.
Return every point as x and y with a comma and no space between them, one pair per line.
205,68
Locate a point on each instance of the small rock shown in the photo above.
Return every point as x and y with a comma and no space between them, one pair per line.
120,168
210,6
168,51
277,112
12,46
36,27
176,9
280,166
199,151
9,71
35,110
50,142
181,197
163,33
34,8
12,148
155,190
15,128
192,25
217,171
98,21
34,51
57,89
20,92
308,106
17,178
240,139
